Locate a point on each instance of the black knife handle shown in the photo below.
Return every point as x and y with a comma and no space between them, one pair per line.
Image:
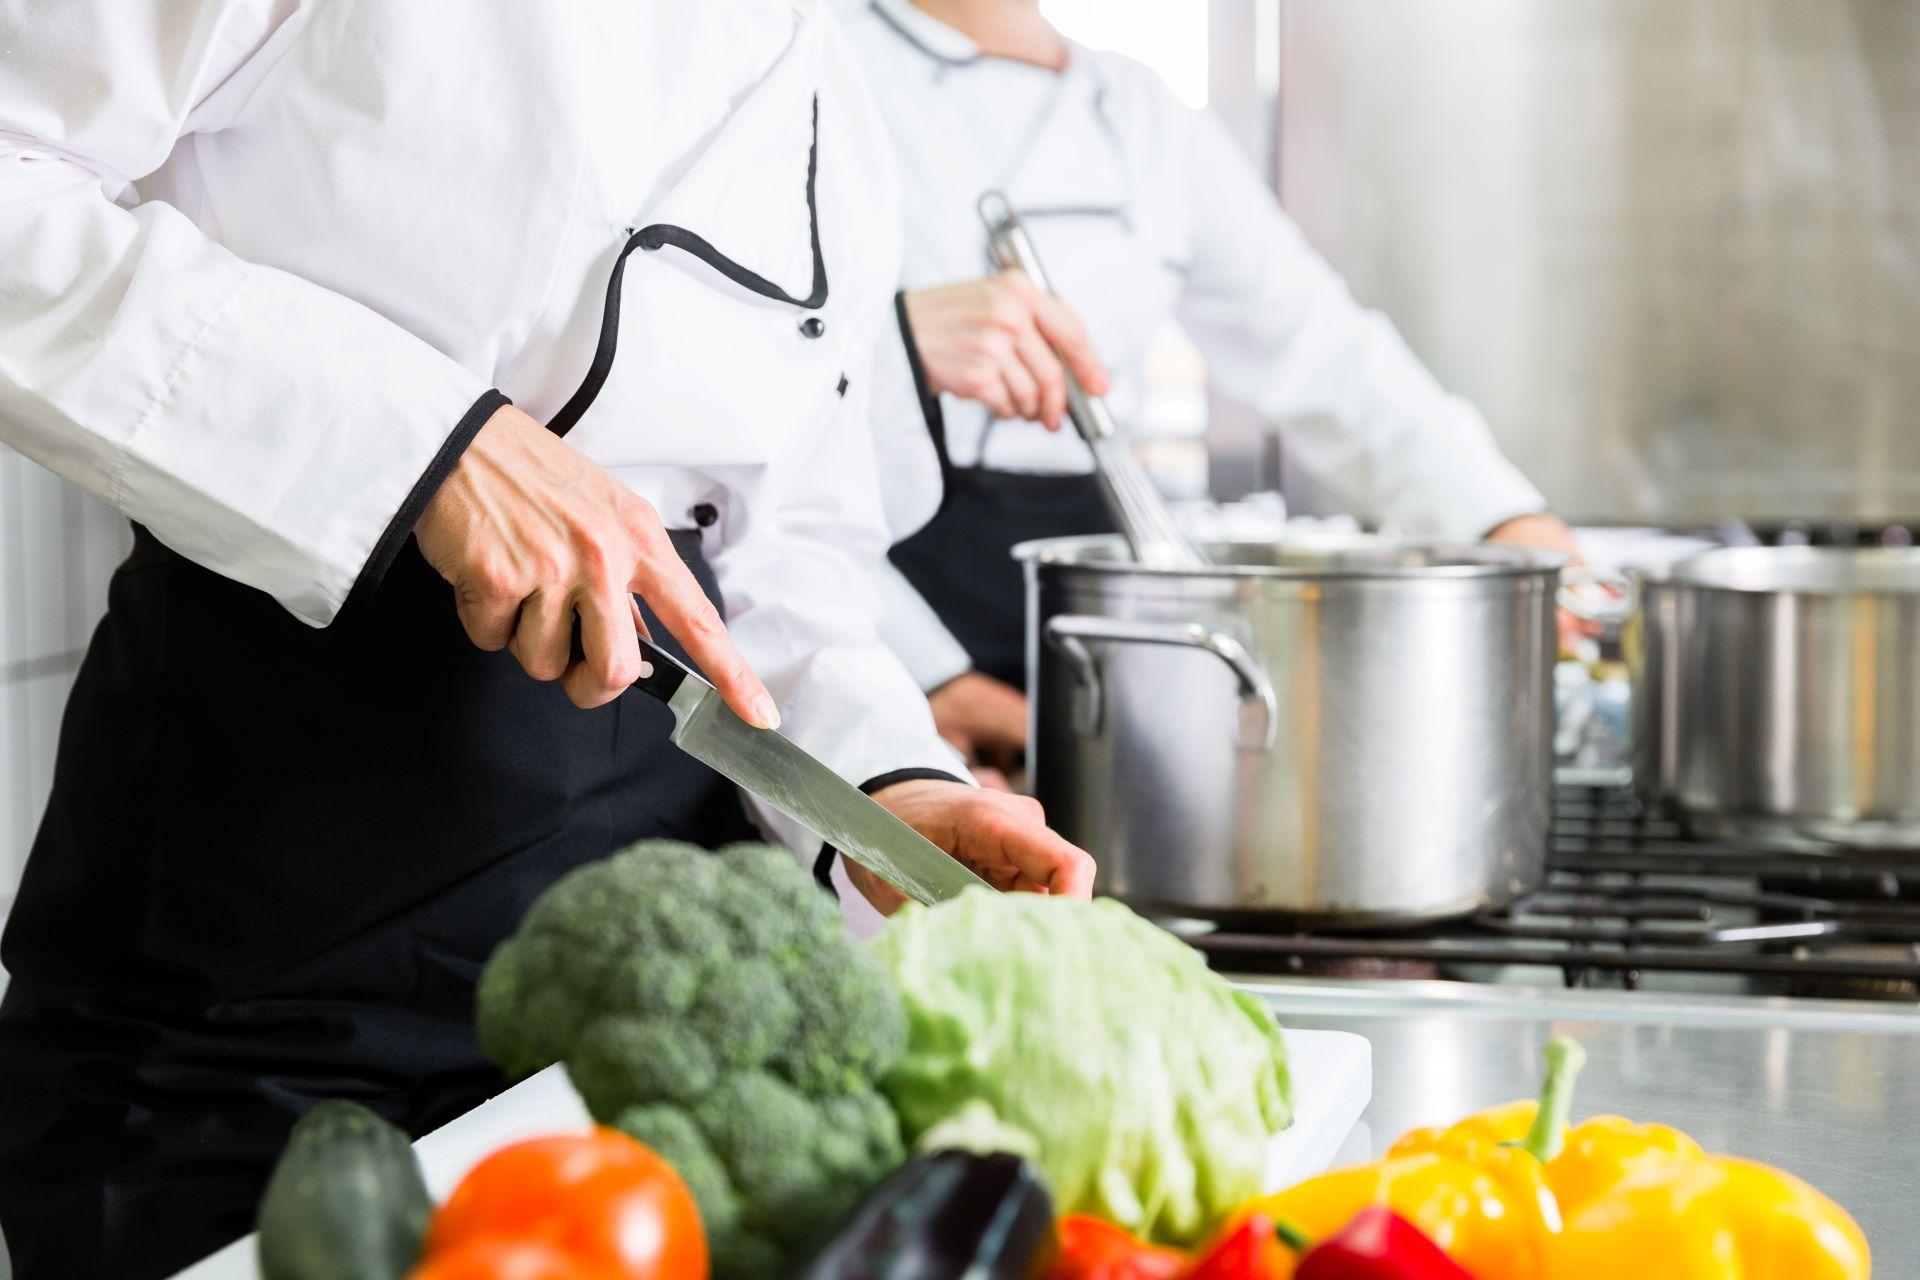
667,675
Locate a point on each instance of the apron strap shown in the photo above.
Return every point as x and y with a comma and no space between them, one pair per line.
930,410
661,235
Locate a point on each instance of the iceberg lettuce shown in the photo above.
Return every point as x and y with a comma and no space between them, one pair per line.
1147,1086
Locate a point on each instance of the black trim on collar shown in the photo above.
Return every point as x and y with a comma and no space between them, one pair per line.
386,549
894,24
662,235
823,865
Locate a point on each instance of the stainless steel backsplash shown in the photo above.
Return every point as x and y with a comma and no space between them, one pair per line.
1671,247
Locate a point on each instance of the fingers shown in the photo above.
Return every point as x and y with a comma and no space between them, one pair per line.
987,384
610,654
1015,827
542,640
665,583
992,779
1024,387
531,532
1068,337
1043,370
488,616
885,898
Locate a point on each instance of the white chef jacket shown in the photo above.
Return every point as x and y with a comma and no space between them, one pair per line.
259,259
1144,210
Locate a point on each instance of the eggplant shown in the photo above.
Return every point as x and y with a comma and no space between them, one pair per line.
951,1215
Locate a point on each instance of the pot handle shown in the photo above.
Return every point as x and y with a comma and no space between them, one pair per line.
1067,634
1610,611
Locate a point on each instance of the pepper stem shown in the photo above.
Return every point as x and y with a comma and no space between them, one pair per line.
1291,1236
1565,1057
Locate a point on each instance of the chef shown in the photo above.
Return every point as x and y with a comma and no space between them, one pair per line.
433,350
1143,211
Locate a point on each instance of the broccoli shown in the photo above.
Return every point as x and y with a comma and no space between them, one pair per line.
709,1005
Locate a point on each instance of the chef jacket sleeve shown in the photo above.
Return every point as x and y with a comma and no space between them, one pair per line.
904,412
265,427
1281,333
803,608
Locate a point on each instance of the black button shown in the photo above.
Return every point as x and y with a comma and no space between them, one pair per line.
841,390
813,326
704,514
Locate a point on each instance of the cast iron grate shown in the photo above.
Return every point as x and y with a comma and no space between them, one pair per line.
1629,894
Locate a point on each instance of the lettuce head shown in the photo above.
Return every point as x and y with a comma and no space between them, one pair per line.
1080,1034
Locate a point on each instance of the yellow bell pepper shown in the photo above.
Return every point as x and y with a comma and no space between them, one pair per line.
1709,1218
1513,1194
1495,1140
1477,1188
1603,1151
1473,1216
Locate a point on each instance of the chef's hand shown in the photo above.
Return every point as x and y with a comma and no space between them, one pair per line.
532,534
1548,532
994,340
1003,838
985,720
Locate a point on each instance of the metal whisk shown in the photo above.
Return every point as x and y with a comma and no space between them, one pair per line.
1138,508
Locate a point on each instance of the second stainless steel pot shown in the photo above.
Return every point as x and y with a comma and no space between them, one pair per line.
1348,733
1777,693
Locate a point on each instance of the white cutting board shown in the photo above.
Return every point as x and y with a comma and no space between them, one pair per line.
1332,1081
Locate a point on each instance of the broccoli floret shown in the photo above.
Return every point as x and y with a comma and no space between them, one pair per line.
622,1058
843,1034
710,1006
671,1132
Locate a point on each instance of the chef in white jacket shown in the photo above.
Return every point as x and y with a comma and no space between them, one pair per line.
1143,211
269,272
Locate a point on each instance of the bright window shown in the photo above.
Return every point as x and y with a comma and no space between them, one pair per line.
1168,35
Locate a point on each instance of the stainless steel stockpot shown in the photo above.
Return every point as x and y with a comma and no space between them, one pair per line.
1358,732
1776,693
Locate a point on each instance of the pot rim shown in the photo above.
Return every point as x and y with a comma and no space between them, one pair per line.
1719,570
1475,560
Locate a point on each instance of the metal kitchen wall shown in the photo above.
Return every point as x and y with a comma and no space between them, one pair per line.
1671,247
57,550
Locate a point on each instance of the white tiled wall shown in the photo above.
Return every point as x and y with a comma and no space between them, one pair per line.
57,549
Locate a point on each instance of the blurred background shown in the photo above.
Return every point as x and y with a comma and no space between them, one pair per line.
1671,247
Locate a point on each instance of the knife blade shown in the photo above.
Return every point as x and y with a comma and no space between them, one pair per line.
767,764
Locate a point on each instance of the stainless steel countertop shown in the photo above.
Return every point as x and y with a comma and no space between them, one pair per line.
1829,1090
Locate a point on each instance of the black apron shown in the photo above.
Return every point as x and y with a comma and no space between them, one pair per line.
961,561
272,865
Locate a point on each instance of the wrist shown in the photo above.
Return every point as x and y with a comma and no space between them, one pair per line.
898,784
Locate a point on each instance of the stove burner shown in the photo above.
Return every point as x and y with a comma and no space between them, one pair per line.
1628,894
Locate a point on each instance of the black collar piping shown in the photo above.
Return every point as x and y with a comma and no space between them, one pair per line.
898,28
663,235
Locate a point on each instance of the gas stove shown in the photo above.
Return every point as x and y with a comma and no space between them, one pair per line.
1631,901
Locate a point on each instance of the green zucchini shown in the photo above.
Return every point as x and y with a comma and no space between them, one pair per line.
346,1200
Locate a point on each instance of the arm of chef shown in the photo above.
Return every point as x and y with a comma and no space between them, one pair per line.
803,608
1281,333
274,431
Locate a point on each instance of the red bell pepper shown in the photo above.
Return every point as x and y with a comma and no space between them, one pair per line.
1094,1249
1378,1244
1257,1248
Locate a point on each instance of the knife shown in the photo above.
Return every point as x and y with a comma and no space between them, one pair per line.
769,766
